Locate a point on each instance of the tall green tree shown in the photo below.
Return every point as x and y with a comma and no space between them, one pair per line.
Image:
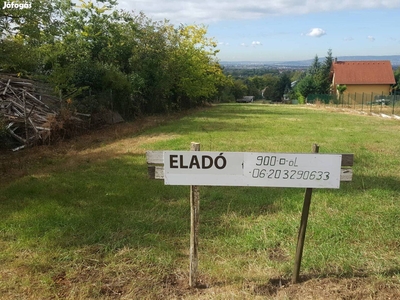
315,66
194,67
318,77
25,31
150,61
93,58
326,79
283,84
97,56
39,24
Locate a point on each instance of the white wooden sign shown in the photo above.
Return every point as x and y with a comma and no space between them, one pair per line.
252,169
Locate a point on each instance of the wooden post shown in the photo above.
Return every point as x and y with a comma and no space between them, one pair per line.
194,226
155,161
393,100
303,226
26,118
362,102
372,96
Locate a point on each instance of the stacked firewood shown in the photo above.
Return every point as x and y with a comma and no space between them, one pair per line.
27,114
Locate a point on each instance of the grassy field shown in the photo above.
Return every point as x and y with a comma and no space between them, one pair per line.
81,220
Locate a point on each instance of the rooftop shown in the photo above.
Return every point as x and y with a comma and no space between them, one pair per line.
363,72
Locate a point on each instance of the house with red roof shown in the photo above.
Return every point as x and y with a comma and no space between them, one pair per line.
363,77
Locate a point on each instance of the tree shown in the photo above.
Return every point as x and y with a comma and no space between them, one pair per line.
326,73
25,31
224,88
328,63
321,74
341,88
396,87
306,86
150,60
271,90
239,89
92,57
315,66
39,24
252,89
283,84
317,79
193,67
102,57
18,57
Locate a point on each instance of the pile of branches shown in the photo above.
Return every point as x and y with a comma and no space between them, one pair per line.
27,114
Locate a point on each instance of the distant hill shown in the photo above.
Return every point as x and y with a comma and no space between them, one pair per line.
394,59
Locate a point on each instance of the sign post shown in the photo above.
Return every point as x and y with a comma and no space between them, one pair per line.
194,226
303,226
196,168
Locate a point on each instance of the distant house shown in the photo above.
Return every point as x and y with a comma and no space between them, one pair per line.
369,77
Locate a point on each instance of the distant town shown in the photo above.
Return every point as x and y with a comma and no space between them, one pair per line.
302,64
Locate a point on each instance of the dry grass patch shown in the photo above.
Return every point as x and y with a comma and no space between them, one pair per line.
97,145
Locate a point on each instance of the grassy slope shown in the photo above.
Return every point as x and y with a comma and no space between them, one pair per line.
89,224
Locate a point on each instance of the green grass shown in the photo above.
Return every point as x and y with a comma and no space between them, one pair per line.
101,229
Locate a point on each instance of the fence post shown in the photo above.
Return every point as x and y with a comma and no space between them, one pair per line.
372,95
362,102
393,100
194,226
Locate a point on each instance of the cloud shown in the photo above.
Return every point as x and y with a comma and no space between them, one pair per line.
256,43
371,38
316,32
348,39
206,11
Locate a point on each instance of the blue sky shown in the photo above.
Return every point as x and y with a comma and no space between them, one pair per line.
281,30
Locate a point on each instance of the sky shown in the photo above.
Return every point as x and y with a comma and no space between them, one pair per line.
285,30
